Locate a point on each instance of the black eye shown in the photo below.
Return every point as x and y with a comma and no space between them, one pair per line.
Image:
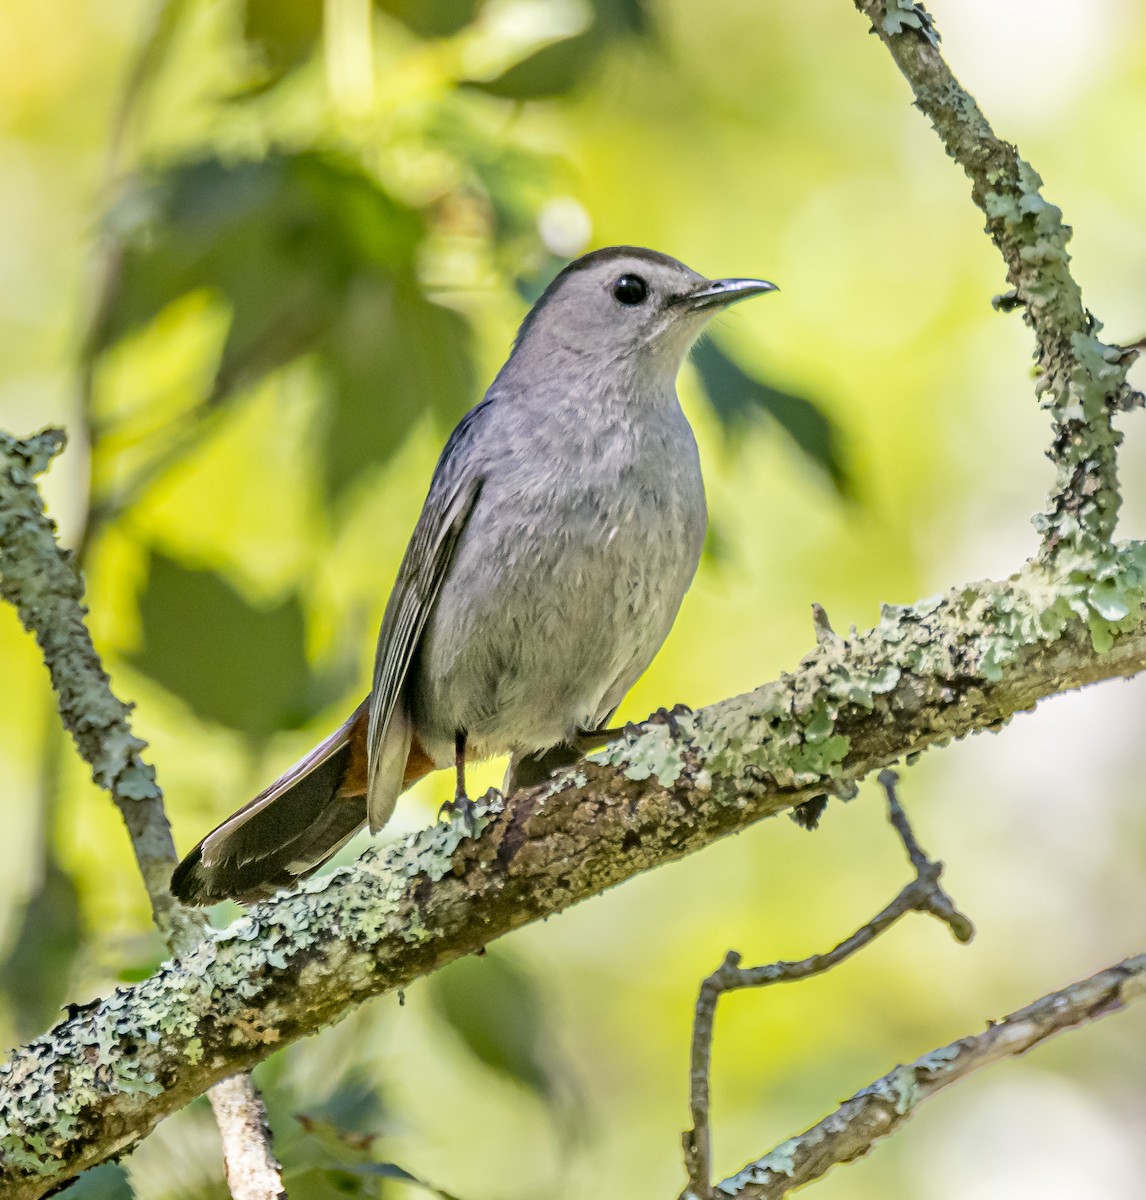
631,289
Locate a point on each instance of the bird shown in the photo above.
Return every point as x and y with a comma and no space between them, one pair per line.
563,524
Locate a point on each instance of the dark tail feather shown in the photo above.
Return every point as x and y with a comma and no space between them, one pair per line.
286,832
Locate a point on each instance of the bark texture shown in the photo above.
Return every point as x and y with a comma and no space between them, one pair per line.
97,1083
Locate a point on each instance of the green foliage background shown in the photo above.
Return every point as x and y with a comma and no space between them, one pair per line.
259,256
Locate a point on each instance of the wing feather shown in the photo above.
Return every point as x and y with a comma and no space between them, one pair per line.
453,493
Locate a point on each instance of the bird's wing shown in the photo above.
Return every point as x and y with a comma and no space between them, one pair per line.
453,492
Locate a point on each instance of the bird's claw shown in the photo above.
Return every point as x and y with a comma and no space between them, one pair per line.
466,808
668,716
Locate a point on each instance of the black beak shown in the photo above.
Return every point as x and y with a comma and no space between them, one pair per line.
717,293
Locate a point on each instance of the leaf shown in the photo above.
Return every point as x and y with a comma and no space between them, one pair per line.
624,16
36,972
281,239
393,356
108,1181
281,33
313,258
432,18
231,661
389,1170
495,1008
551,71
738,399
148,62
561,66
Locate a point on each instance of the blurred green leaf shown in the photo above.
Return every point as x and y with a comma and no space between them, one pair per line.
495,1007
313,258
281,33
282,240
36,973
148,62
624,16
347,1118
392,357
551,71
530,284
228,659
432,18
739,399
559,67
515,181
389,1170
106,1182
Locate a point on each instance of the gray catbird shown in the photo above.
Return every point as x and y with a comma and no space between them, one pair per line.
563,525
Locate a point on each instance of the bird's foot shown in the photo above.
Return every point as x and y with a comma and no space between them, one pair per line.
631,730
668,716
466,808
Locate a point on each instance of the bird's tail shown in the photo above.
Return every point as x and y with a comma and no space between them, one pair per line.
290,829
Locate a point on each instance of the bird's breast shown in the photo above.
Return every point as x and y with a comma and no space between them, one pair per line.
563,586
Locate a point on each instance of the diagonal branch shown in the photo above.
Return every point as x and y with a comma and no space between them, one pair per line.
41,581
882,1107
99,1081
923,894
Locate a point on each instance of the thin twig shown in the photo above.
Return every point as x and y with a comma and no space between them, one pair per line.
922,894
882,1107
40,580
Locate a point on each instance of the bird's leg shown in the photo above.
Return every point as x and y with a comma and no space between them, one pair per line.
461,803
460,796
591,738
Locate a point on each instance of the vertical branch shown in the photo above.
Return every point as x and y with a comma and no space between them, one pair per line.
40,580
1082,380
253,1172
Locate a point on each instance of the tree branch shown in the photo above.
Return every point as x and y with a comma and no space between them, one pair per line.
99,1081
1082,380
41,581
882,1107
253,1172
922,894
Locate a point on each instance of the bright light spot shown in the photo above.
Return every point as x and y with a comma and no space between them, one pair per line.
1027,60
1032,1139
565,226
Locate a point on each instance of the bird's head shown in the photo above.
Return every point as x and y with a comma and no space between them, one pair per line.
625,304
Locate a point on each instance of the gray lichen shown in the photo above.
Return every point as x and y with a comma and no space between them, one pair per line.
926,674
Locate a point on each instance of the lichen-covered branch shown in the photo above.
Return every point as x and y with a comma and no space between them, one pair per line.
880,1109
98,1082
923,894
41,581
1081,379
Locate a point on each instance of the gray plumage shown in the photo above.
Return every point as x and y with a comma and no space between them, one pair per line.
563,525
